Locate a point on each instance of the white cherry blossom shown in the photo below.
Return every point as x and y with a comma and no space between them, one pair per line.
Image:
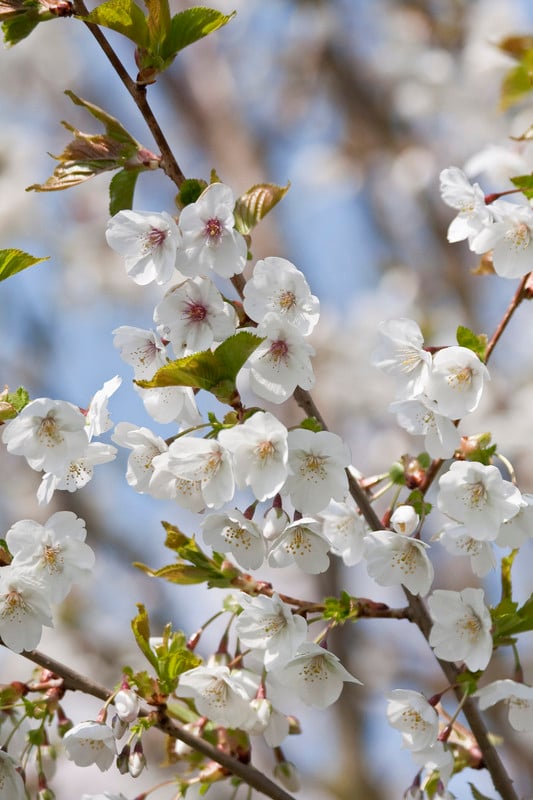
232,532
519,699
91,743
420,417
456,540
210,241
345,529
301,543
204,461
469,200
217,695
24,608
411,714
401,353
56,552
145,446
166,484
393,559
439,758
75,474
317,464
477,496
48,433
268,624
278,286
455,381
148,241
127,705
193,315
142,349
461,627
510,237
98,420
315,675
260,453
266,720
514,532
171,404
281,362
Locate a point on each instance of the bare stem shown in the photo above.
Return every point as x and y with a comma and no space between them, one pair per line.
74,681
138,93
511,308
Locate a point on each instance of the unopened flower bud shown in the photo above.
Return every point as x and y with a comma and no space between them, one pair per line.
136,761
46,794
127,705
123,760
118,726
286,773
404,520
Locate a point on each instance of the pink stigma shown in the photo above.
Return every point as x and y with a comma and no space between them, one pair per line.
279,350
195,312
213,230
156,237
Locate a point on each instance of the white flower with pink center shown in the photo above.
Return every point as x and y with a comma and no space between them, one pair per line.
210,241
281,362
193,315
148,241
142,349
277,286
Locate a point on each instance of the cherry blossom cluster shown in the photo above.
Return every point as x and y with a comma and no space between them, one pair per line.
490,224
433,390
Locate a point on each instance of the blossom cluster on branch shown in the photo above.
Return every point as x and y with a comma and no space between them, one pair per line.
266,495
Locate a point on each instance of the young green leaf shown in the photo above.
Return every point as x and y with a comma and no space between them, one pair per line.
122,189
20,17
476,343
122,16
140,626
214,371
525,184
191,25
255,204
13,261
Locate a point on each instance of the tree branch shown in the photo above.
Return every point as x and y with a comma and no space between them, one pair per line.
76,682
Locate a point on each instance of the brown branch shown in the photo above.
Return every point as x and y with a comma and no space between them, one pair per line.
511,308
74,681
168,162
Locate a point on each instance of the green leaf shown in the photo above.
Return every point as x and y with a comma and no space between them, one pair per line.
525,184
12,403
122,189
158,21
141,630
183,574
191,25
255,204
476,794
340,608
311,424
123,16
88,154
20,17
416,499
467,338
518,82
13,261
216,372
190,191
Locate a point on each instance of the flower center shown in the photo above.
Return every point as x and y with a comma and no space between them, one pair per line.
48,432
14,604
213,230
461,379
52,558
195,312
471,626
313,464
154,238
520,236
265,450
478,494
286,300
279,350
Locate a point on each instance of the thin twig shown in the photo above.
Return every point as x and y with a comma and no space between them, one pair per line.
75,681
138,93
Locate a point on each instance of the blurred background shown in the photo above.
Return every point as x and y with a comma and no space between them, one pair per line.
359,104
